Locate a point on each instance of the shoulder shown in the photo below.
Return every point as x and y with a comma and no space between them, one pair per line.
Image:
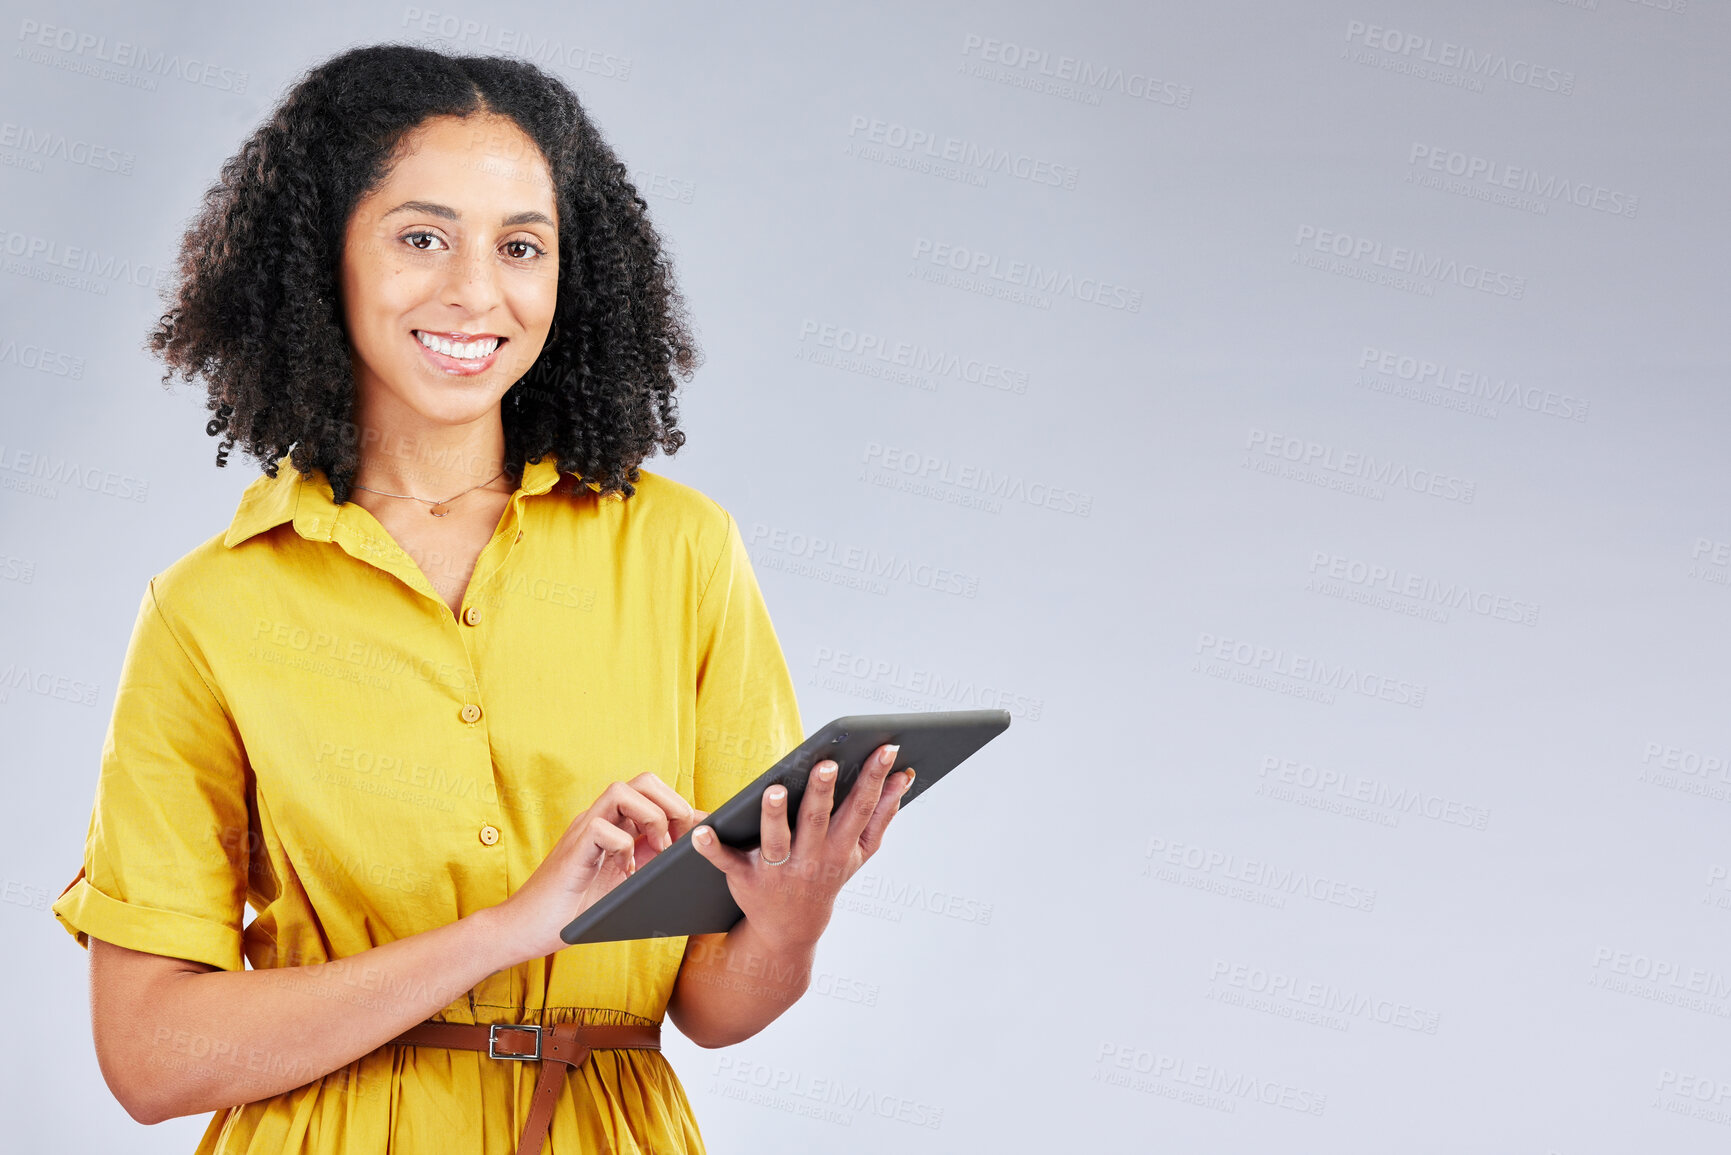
676,531
667,512
205,575
261,530
677,501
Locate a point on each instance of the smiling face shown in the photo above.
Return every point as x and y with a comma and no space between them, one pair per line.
449,276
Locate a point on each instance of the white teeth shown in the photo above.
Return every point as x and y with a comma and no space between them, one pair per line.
466,351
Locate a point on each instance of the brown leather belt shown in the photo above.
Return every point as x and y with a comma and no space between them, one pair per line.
561,1046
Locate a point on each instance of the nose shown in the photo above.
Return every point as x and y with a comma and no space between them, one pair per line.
472,281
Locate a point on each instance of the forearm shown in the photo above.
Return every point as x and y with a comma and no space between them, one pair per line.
200,1041
732,986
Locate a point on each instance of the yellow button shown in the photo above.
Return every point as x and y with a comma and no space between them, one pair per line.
472,615
489,835
470,712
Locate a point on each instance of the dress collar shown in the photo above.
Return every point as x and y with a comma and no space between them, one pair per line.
307,500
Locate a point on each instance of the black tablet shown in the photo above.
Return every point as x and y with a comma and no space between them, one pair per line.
678,892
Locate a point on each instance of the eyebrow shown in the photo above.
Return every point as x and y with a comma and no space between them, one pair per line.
530,216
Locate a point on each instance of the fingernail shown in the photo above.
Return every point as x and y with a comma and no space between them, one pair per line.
701,834
777,793
826,771
888,757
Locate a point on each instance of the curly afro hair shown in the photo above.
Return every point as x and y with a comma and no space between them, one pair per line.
255,310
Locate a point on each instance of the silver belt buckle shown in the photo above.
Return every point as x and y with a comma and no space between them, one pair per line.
493,1040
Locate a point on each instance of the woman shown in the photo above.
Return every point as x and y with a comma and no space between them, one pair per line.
456,667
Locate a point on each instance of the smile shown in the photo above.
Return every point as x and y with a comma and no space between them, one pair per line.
453,358
477,350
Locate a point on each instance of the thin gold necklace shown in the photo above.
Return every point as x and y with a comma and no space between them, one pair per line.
440,508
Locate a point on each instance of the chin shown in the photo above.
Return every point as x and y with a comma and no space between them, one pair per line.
462,405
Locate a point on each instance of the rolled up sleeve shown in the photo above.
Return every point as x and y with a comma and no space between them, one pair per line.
166,857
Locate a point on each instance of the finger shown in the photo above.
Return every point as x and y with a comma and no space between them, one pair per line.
624,805
681,814
873,835
697,816
814,809
724,858
862,800
610,848
775,837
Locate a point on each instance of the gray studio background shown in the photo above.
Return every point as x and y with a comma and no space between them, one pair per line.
1308,420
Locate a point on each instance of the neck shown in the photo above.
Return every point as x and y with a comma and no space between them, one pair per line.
435,462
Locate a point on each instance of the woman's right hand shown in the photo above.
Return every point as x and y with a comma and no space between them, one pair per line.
628,825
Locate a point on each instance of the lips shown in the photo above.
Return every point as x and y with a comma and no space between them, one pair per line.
457,366
455,335
461,345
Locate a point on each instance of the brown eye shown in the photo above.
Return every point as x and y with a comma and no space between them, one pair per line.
410,237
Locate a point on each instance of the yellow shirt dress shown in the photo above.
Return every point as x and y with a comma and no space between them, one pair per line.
302,725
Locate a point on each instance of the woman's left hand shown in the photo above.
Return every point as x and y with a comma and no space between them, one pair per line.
789,903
